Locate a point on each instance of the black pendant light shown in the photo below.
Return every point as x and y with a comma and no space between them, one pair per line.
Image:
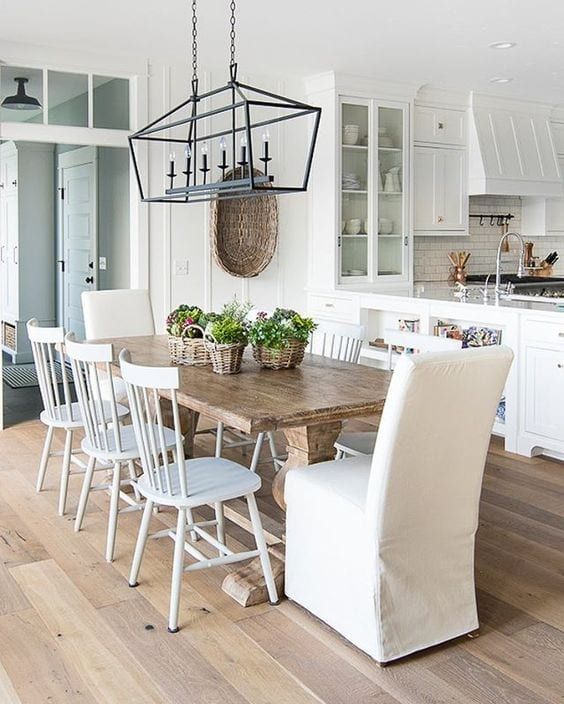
241,141
21,101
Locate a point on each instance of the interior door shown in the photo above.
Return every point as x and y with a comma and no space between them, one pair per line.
79,241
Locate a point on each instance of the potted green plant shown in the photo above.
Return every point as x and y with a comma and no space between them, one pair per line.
185,328
279,340
226,337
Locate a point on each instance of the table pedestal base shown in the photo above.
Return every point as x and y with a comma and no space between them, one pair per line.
247,586
306,445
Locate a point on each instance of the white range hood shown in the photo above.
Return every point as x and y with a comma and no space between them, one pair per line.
511,149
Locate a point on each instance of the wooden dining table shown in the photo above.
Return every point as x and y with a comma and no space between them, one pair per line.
308,403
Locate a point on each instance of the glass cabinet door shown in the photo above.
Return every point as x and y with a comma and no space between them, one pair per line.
355,225
392,228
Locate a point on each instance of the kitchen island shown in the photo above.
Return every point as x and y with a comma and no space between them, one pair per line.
533,329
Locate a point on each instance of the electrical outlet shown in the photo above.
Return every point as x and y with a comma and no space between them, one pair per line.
102,265
181,267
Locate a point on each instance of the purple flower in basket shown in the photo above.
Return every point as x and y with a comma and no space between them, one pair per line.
262,315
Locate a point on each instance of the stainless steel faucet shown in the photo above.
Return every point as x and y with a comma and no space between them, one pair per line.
521,269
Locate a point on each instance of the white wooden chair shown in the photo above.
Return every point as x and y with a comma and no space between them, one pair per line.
184,485
107,441
59,411
340,341
400,578
362,443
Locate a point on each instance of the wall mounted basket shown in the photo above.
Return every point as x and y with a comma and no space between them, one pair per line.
244,232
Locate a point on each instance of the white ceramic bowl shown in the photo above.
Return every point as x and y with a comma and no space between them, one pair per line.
385,226
353,226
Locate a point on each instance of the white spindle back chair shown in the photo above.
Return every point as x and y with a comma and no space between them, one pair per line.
184,484
106,441
47,345
340,341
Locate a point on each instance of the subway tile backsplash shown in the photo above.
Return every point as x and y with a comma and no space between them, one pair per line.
431,262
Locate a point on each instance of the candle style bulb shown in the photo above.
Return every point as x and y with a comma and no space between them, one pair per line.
171,157
187,151
244,140
205,148
265,136
223,144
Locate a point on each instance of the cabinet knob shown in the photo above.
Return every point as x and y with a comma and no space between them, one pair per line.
329,305
1,185
440,125
560,365
440,218
14,182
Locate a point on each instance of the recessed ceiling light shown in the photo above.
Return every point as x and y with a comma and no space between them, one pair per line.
503,45
500,80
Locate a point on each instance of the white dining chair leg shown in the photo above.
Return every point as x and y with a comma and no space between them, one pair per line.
44,458
65,471
190,517
133,477
262,548
177,571
340,454
140,544
219,439
220,518
273,451
113,516
84,494
256,452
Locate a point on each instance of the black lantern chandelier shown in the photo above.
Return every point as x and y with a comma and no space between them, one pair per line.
223,137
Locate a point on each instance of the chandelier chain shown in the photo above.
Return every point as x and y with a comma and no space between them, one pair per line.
194,42
232,33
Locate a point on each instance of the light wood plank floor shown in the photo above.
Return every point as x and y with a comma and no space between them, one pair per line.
72,631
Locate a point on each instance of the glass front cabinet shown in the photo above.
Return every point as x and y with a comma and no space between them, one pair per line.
372,228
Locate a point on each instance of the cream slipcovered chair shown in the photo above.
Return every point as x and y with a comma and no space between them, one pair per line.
118,313
400,578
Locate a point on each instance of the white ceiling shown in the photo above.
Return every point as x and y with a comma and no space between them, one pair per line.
441,42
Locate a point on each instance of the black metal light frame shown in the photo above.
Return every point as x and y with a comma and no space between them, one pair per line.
197,190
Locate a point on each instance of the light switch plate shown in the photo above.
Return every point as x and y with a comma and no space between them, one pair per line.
102,266
181,267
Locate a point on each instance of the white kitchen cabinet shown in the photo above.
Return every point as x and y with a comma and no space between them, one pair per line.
544,391
440,195
361,228
27,242
440,126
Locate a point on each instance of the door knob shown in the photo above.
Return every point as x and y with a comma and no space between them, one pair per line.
89,279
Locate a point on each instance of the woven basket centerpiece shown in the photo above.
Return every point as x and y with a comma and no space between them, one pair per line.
188,350
290,356
186,336
225,358
244,232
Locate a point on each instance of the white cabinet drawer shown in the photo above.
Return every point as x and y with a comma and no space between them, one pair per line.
333,307
440,125
543,331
